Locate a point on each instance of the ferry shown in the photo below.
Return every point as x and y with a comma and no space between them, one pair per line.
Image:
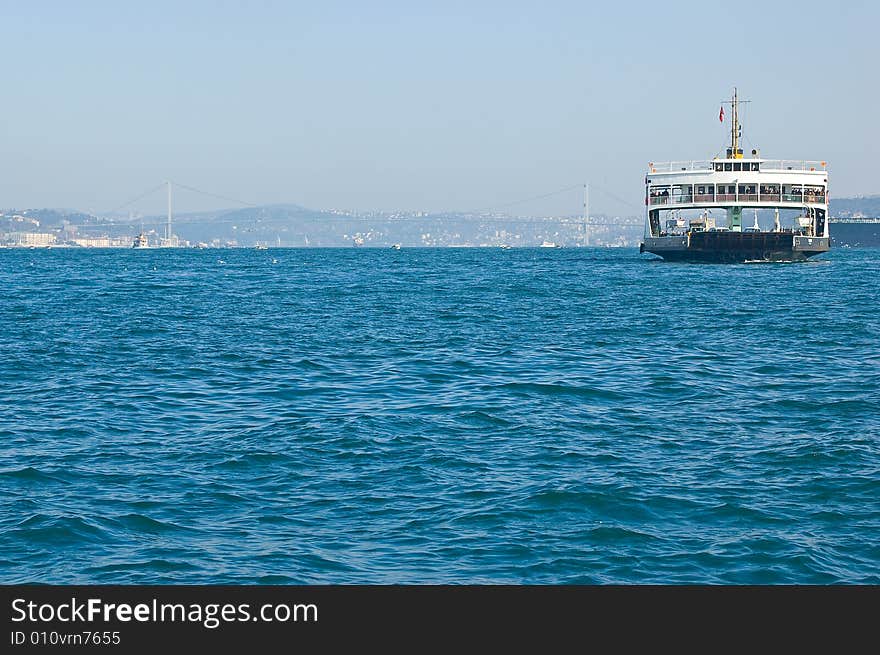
140,241
694,210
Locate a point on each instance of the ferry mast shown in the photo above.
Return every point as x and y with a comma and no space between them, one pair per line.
735,152
734,213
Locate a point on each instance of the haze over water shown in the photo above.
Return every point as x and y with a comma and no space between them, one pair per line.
457,415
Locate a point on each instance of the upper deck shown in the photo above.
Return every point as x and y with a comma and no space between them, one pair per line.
737,182
738,165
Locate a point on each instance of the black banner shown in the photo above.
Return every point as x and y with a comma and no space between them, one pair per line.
148,618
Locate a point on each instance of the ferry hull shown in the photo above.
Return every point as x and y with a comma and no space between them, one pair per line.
736,247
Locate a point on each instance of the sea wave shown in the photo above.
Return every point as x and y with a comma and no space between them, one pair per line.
434,416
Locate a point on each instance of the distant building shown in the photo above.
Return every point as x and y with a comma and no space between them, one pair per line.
18,218
93,242
37,239
104,242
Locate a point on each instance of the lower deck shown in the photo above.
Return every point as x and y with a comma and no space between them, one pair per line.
734,247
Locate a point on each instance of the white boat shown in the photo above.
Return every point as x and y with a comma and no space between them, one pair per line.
396,246
140,241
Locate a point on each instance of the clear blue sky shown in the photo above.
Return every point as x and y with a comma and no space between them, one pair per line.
420,105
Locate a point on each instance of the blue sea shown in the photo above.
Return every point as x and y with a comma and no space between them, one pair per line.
437,416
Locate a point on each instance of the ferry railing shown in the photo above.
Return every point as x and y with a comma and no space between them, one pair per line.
792,165
675,166
742,197
709,165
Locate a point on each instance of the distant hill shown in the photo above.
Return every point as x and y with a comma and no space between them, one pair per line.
862,206
287,224
52,217
294,225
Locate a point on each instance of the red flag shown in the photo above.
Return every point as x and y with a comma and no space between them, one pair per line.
721,115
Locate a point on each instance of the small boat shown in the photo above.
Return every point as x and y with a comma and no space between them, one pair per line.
261,246
140,241
396,246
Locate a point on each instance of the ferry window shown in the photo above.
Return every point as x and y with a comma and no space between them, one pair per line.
755,166
737,166
719,167
727,166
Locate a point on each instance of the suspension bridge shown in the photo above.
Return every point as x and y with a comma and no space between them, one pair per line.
501,214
